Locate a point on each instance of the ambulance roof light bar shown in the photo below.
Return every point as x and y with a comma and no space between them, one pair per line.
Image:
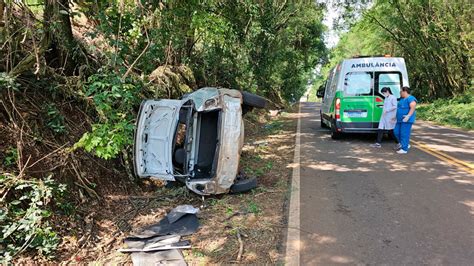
366,56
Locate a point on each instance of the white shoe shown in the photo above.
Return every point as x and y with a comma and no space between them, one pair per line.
376,145
402,151
399,146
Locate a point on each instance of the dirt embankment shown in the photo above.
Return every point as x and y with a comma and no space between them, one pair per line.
246,228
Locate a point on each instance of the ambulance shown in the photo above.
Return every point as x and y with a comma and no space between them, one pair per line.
351,97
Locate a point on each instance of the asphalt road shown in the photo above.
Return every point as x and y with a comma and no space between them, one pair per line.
367,206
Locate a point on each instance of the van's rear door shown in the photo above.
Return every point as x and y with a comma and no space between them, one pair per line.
154,136
358,104
389,79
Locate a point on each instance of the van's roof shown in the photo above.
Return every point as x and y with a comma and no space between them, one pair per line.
375,58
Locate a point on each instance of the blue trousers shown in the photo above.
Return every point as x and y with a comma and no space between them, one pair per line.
402,132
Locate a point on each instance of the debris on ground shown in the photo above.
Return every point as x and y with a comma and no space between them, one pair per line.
173,256
161,242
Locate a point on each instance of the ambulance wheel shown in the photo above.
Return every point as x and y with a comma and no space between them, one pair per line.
334,133
322,122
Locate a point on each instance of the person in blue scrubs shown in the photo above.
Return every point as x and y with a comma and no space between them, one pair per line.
406,115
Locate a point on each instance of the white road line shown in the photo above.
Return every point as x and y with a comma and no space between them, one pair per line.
293,244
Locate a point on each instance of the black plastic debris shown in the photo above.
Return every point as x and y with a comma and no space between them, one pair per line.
186,225
156,243
178,212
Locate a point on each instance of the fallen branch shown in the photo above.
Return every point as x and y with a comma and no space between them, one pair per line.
89,190
47,155
241,247
269,191
138,57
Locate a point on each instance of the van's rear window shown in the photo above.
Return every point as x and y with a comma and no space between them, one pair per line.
393,80
358,83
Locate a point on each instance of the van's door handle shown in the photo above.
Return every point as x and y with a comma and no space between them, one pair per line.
380,105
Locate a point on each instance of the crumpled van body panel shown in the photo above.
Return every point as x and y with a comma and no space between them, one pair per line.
211,158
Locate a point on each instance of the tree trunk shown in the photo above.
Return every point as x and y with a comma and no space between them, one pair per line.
61,53
2,10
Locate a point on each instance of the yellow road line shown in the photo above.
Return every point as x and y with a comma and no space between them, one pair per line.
468,167
466,164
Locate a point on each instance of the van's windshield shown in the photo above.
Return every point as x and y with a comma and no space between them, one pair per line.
358,83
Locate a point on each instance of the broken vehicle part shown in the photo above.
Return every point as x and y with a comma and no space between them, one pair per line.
160,243
185,225
165,257
155,244
180,211
180,221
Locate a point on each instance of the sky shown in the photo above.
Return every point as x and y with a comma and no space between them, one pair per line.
331,37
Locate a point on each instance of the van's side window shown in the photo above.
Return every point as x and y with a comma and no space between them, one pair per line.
393,80
327,93
358,83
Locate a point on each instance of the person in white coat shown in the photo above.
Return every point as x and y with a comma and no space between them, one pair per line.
389,117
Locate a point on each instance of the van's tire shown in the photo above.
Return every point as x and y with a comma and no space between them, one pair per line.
253,100
334,134
246,109
243,185
322,122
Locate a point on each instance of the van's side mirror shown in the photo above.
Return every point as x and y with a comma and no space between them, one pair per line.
320,92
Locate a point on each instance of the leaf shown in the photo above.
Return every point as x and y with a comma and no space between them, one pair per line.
15,202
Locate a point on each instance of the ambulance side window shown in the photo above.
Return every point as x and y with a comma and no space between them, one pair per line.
327,85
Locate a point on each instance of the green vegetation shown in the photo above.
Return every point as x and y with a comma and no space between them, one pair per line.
73,74
434,37
11,157
128,51
24,218
458,111
113,100
55,120
253,207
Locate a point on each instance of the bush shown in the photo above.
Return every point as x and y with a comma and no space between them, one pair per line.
55,120
114,101
457,111
7,82
24,216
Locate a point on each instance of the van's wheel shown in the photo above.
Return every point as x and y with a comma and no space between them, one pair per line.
322,122
243,185
246,109
334,133
253,100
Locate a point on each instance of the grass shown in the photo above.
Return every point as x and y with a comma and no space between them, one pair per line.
458,111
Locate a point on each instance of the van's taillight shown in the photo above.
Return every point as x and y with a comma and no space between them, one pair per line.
338,109
378,100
